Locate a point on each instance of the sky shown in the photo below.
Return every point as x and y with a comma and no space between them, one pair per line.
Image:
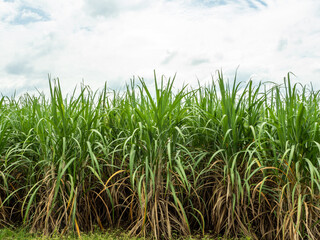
98,41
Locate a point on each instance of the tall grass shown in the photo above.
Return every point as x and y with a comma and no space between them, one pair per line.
226,158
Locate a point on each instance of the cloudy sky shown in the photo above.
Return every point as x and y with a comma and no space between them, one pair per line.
112,40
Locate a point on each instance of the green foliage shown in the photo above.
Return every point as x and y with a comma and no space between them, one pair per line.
226,159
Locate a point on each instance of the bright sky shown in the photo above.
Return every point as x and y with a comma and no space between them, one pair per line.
113,40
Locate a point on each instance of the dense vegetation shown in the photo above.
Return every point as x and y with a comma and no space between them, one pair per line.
226,159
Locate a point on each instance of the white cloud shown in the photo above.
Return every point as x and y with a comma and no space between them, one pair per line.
112,40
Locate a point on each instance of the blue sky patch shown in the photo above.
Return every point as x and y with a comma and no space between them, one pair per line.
214,3
255,4
28,15
262,2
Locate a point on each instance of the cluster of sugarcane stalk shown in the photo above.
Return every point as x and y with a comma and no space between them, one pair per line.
223,159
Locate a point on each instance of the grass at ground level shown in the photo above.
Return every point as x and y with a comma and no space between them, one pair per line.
6,234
